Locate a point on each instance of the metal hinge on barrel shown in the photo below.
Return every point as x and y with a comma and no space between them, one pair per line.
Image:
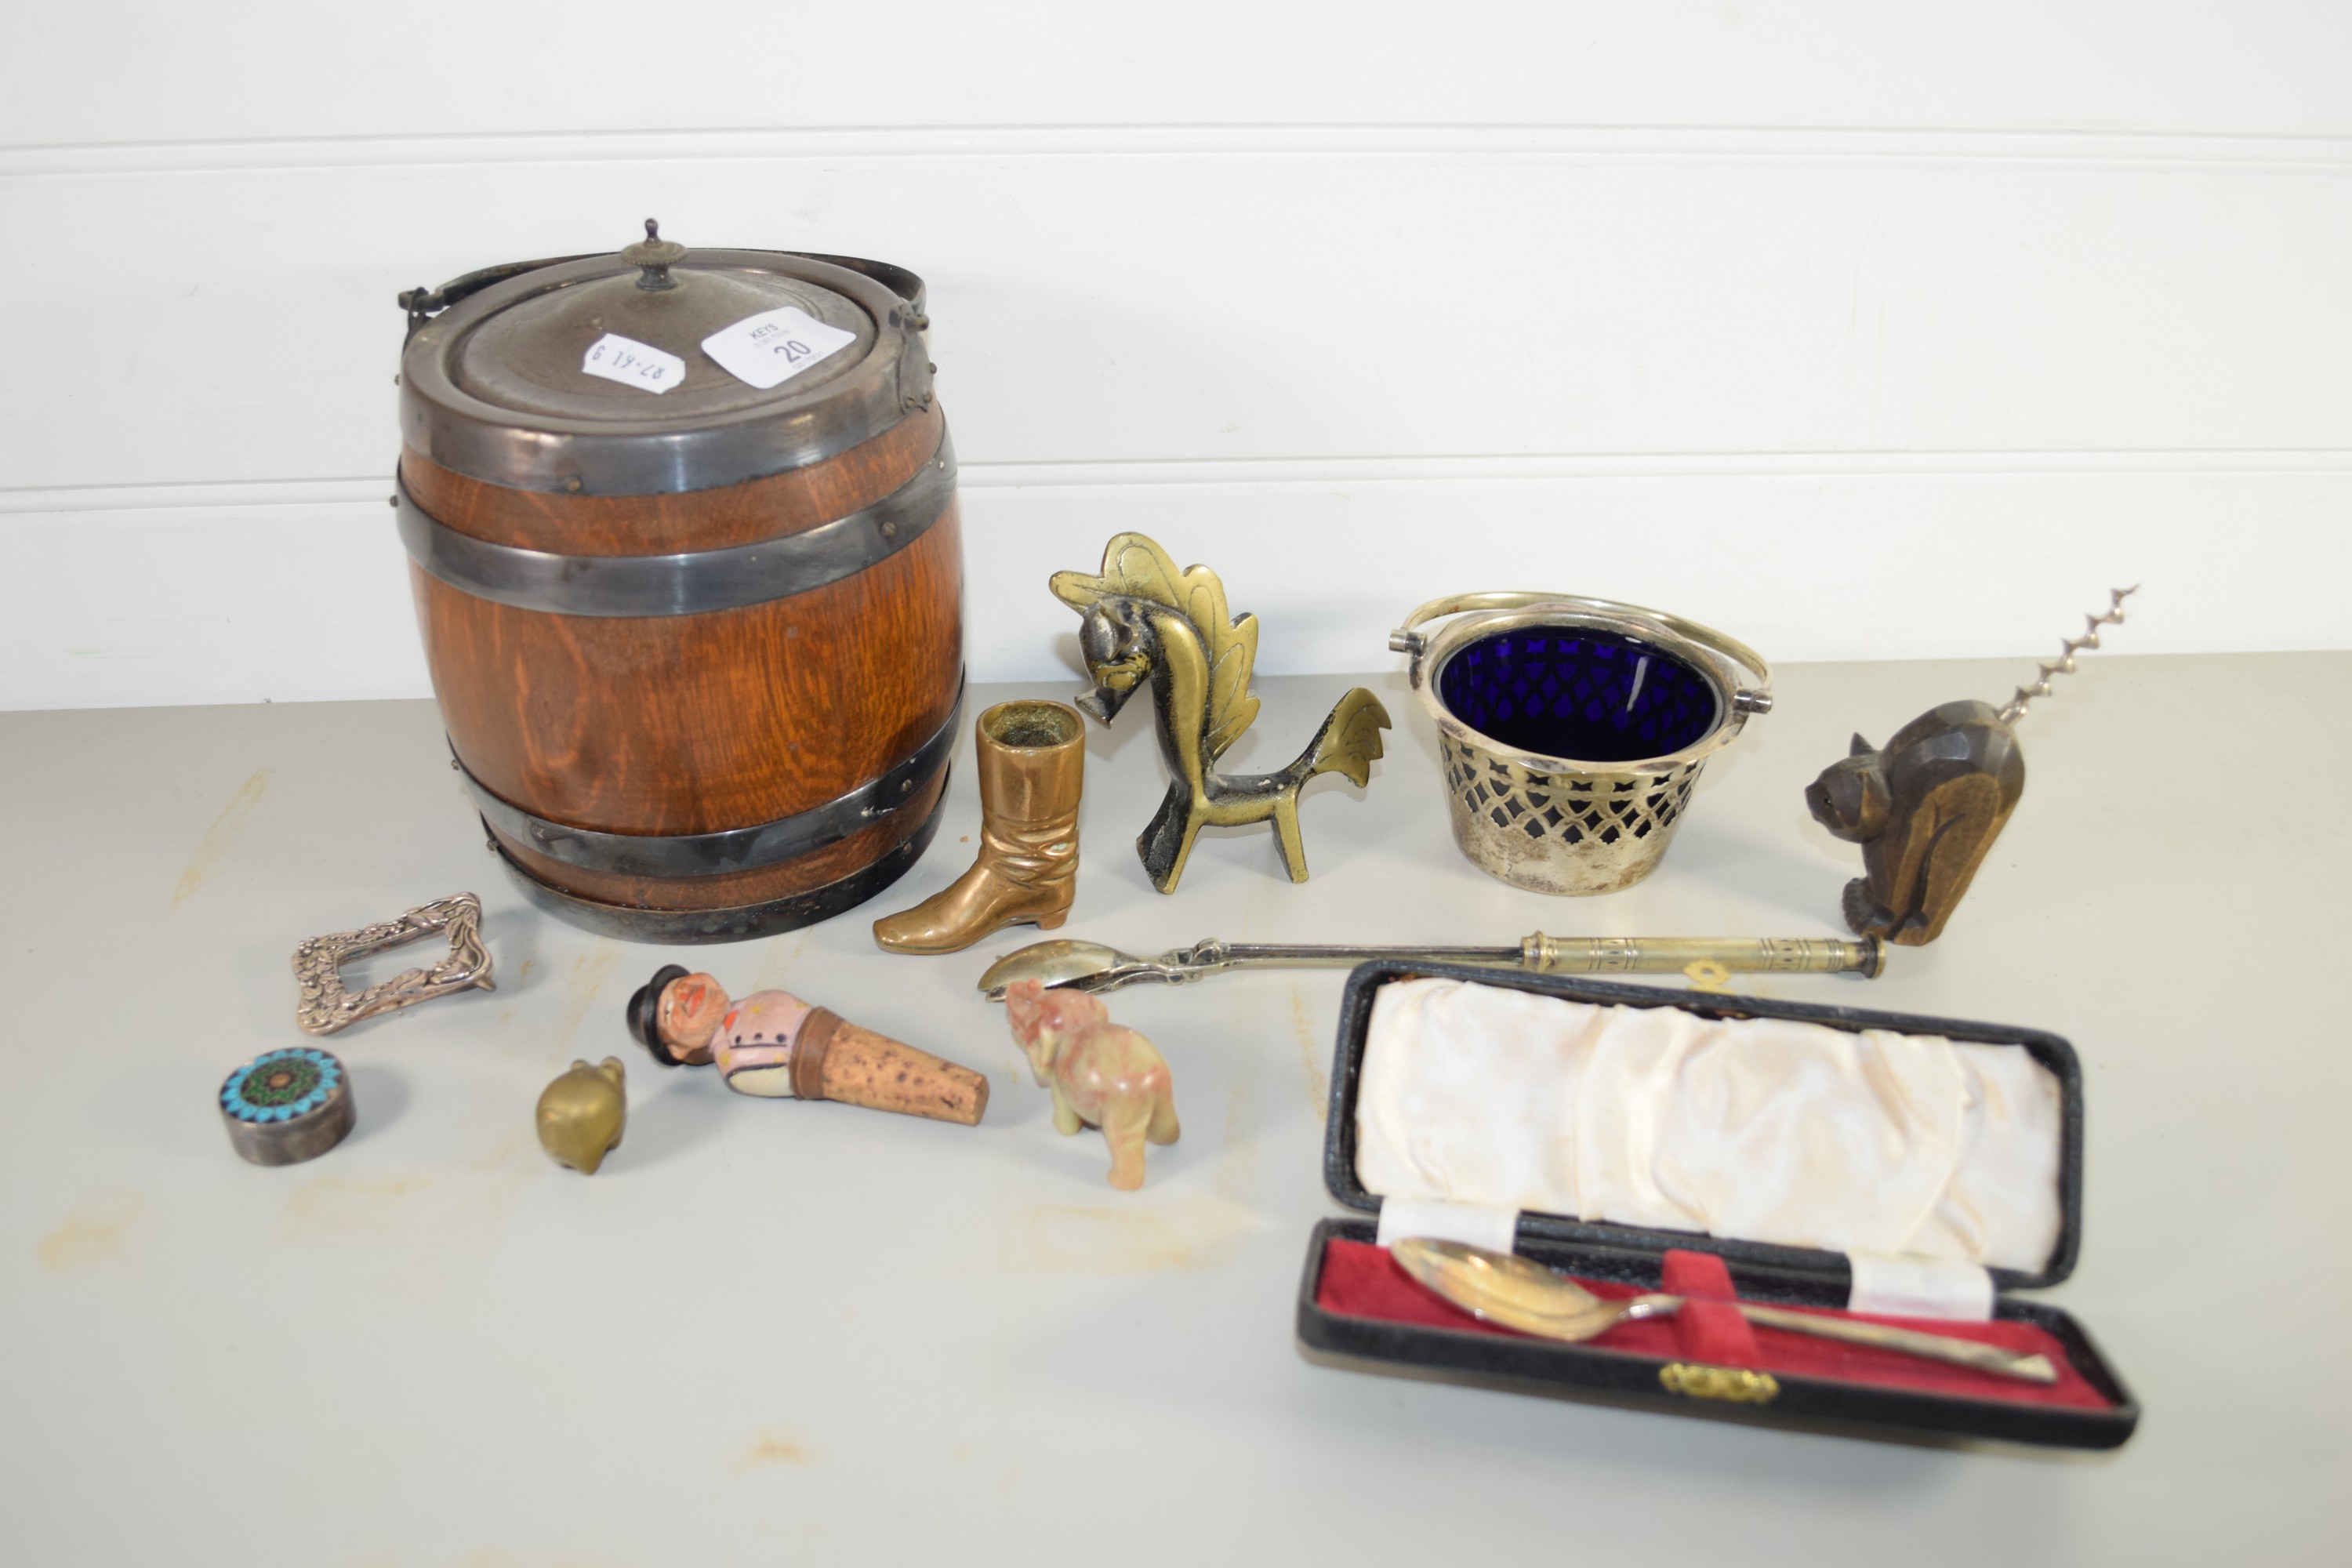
915,366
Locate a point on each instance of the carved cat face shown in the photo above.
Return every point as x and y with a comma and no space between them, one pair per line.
1851,798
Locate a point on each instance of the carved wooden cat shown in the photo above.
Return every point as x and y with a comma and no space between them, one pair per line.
1926,808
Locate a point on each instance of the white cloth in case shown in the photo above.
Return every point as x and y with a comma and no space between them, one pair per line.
1761,1129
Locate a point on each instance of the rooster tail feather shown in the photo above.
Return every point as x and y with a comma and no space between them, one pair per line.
1349,742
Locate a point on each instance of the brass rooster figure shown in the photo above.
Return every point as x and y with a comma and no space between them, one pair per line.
1142,617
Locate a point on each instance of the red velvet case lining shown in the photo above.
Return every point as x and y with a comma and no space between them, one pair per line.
1360,1281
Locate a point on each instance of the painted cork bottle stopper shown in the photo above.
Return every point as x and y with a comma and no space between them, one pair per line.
775,1044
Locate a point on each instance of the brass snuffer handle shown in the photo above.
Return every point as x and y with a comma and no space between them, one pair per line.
1091,966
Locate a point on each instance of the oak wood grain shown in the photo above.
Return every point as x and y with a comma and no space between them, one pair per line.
698,723
685,724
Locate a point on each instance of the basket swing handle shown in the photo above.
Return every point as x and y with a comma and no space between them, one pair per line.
1755,698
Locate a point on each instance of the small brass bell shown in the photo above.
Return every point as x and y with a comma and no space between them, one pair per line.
582,1114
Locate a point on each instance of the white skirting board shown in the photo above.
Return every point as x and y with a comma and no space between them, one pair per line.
299,593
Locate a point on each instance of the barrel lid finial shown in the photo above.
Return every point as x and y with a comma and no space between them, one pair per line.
656,255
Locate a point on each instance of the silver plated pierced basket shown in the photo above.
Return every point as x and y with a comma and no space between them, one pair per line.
1571,729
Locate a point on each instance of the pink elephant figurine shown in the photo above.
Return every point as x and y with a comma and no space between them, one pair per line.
1101,1075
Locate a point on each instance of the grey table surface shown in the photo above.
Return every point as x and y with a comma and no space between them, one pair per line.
778,1331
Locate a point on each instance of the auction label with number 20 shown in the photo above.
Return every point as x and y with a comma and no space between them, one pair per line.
633,363
770,348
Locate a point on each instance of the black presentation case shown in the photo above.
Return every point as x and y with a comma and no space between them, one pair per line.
1760,1272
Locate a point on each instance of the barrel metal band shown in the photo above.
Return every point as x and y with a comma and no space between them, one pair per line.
734,850
689,584
629,922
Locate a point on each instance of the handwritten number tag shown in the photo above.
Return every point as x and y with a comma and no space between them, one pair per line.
770,348
633,363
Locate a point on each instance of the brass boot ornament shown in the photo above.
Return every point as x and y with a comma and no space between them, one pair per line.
1033,758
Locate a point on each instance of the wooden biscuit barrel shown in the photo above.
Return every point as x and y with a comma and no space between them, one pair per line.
697,642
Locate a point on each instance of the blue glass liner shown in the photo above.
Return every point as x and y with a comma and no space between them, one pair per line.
1574,692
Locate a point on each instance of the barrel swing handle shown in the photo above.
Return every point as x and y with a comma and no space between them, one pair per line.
1753,698
423,304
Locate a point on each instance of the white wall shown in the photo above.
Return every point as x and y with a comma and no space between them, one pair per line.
1855,330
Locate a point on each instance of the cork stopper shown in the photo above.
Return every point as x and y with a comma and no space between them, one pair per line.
836,1059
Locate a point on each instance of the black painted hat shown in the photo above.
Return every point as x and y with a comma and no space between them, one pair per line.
644,1009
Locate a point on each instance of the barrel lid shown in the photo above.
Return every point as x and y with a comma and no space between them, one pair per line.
499,387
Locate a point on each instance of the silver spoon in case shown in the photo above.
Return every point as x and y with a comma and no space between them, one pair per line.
1504,1287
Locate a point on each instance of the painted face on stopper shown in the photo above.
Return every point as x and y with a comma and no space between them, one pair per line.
688,1015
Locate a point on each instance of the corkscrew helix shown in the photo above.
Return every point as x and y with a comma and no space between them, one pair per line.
2015,708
